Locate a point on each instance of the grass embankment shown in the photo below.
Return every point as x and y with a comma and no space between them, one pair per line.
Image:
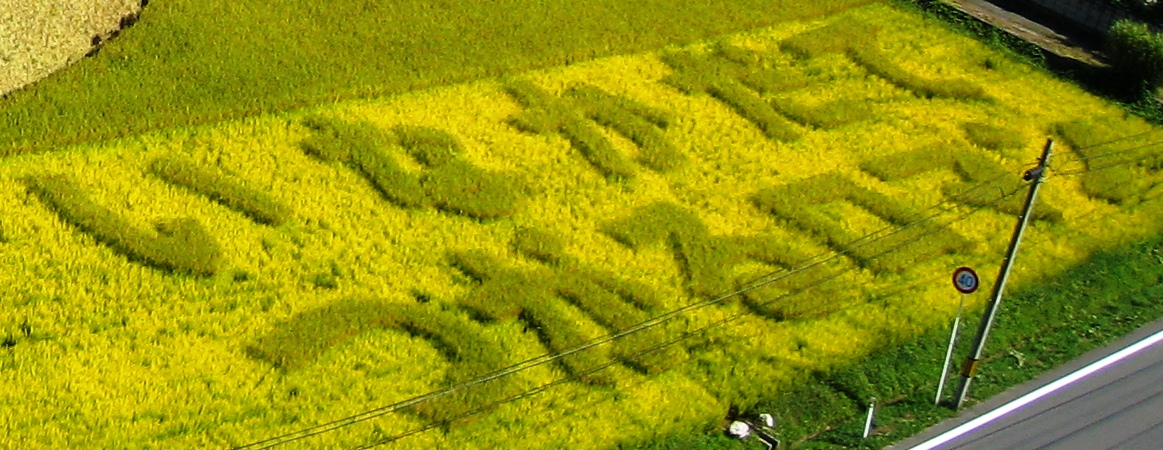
191,62
1038,328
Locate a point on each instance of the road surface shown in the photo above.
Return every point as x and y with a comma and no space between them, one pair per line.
1109,398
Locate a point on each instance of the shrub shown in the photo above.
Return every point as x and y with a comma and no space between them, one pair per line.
180,245
1136,52
220,188
992,137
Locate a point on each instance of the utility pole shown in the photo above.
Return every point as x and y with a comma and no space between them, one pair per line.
969,369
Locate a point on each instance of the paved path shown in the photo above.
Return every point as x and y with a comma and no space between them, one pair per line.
1027,24
1118,406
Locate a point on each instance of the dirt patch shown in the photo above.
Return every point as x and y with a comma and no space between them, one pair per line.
39,37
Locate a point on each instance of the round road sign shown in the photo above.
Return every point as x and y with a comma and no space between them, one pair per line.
965,280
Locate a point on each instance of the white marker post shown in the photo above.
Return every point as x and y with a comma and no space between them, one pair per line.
965,281
869,420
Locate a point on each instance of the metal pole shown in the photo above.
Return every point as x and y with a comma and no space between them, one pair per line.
949,352
969,369
868,422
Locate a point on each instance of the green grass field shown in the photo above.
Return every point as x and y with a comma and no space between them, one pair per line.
194,62
202,282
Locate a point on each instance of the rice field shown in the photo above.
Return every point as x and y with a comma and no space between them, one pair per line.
220,284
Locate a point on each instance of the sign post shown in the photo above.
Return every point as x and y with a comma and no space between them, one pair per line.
965,281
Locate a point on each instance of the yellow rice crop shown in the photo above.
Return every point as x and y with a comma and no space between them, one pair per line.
109,352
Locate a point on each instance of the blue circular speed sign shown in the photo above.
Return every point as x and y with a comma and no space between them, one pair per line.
965,280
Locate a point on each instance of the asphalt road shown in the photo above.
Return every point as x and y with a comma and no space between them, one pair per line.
1118,406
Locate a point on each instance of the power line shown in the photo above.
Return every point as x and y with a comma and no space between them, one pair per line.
685,335
650,323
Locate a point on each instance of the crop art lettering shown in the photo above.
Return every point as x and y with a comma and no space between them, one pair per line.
448,183
180,245
576,114
306,336
796,203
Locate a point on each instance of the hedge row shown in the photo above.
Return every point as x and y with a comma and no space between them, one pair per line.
449,183
306,336
222,189
973,170
180,245
795,203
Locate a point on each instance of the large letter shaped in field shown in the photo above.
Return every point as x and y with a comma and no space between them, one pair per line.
534,297
722,75
972,167
222,189
1120,170
450,183
570,114
710,261
308,335
180,245
794,203
857,40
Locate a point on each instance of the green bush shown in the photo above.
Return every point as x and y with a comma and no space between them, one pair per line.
180,245
1136,52
222,189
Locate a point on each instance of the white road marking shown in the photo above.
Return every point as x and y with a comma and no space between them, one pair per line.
1039,393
